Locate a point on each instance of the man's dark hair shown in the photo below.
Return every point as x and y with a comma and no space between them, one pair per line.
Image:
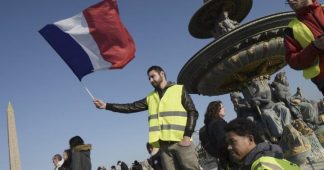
57,156
245,127
157,69
75,141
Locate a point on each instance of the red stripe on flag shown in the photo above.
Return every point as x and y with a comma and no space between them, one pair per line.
114,41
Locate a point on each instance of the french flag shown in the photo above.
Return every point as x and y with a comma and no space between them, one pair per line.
93,40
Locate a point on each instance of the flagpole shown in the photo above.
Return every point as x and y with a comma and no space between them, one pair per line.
88,91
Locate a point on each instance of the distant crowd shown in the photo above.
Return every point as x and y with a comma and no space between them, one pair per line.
77,157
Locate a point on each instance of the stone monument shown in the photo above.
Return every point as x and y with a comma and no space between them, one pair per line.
14,157
239,55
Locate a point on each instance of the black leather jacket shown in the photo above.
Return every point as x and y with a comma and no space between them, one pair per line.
141,105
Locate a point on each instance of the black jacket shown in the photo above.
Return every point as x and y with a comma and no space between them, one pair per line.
216,133
142,105
155,161
123,166
81,157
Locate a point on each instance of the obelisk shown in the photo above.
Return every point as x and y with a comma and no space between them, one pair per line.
14,157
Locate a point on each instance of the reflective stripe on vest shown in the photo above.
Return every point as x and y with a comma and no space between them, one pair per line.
304,36
167,117
271,163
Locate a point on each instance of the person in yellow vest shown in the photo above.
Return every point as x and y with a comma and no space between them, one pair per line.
172,119
246,148
304,40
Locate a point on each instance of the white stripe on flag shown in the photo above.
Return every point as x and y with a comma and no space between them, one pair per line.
77,28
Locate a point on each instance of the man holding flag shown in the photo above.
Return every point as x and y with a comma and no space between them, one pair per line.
172,120
96,39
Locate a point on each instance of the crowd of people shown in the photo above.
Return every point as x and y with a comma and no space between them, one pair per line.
135,166
241,143
232,143
77,157
120,166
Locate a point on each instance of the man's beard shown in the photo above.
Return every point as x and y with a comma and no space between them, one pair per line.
156,84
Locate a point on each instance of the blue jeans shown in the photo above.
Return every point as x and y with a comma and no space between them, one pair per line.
177,157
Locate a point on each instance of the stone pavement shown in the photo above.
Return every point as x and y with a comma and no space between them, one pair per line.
316,166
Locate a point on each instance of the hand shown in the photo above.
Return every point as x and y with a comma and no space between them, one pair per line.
319,42
185,141
99,104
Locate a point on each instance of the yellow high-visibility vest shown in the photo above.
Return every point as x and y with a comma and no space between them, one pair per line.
271,163
167,116
304,36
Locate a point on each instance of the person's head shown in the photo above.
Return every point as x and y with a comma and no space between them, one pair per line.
75,141
215,110
281,78
136,162
113,167
56,159
235,97
242,135
119,162
156,76
255,82
67,156
149,148
298,4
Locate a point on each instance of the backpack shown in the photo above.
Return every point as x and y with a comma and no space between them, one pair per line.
206,143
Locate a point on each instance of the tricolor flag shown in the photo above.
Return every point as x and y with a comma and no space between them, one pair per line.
92,40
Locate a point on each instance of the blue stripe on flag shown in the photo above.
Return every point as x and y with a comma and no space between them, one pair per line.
69,50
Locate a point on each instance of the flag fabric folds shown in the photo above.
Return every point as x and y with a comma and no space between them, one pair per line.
92,40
